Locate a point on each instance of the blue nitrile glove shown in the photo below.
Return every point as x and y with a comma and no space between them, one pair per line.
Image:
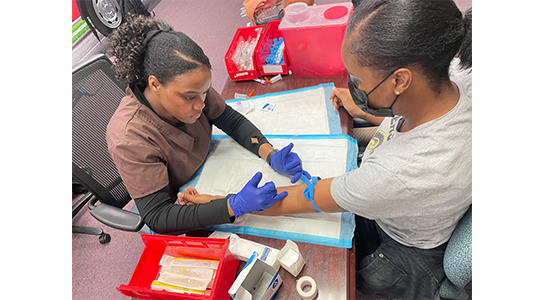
288,163
254,199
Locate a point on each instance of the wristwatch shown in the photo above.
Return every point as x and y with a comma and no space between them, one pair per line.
269,157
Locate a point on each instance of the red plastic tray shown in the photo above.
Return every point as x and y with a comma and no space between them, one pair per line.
148,266
262,51
233,71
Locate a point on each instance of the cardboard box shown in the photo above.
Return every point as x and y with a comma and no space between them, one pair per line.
291,259
243,249
257,281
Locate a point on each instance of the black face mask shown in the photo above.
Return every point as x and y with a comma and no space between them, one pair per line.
361,100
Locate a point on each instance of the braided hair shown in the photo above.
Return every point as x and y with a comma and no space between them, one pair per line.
165,54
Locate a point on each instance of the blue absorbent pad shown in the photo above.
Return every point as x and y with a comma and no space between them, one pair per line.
229,166
232,166
301,111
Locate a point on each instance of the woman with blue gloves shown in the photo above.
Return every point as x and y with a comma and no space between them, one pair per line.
161,132
410,63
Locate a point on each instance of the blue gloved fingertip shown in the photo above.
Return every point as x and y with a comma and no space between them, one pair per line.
296,178
283,194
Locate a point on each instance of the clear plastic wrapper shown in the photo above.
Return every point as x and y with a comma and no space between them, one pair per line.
170,261
243,55
185,274
243,107
189,278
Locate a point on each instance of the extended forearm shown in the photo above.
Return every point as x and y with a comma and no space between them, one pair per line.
296,203
293,203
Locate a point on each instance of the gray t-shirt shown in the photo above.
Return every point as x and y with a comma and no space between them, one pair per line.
416,184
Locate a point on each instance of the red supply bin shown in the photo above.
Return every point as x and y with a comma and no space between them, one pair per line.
313,38
148,266
262,51
245,32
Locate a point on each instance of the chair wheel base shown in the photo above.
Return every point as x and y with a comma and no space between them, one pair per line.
104,238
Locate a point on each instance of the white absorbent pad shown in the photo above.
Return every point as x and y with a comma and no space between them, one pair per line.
229,166
300,111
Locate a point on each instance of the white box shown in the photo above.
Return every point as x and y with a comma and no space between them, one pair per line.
257,281
243,249
290,258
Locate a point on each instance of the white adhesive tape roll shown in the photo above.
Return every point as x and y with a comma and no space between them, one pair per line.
303,283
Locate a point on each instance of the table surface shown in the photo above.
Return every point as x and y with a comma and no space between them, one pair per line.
332,268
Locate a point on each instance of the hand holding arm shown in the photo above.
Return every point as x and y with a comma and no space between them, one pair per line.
254,199
250,199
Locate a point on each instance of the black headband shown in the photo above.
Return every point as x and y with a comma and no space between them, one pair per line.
153,33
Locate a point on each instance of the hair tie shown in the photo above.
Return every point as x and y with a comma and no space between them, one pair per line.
153,33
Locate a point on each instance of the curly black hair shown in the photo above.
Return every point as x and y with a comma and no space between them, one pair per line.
166,55
390,34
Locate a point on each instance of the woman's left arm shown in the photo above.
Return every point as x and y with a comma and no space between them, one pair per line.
243,132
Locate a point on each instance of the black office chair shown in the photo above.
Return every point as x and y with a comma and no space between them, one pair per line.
96,94
362,132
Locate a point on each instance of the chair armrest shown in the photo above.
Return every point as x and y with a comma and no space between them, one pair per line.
115,217
360,123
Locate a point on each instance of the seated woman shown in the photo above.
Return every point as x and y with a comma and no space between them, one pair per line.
161,132
415,180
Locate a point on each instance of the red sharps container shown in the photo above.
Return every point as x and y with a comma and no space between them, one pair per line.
313,38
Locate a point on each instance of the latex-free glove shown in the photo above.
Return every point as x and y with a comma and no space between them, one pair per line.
254,199
288,163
